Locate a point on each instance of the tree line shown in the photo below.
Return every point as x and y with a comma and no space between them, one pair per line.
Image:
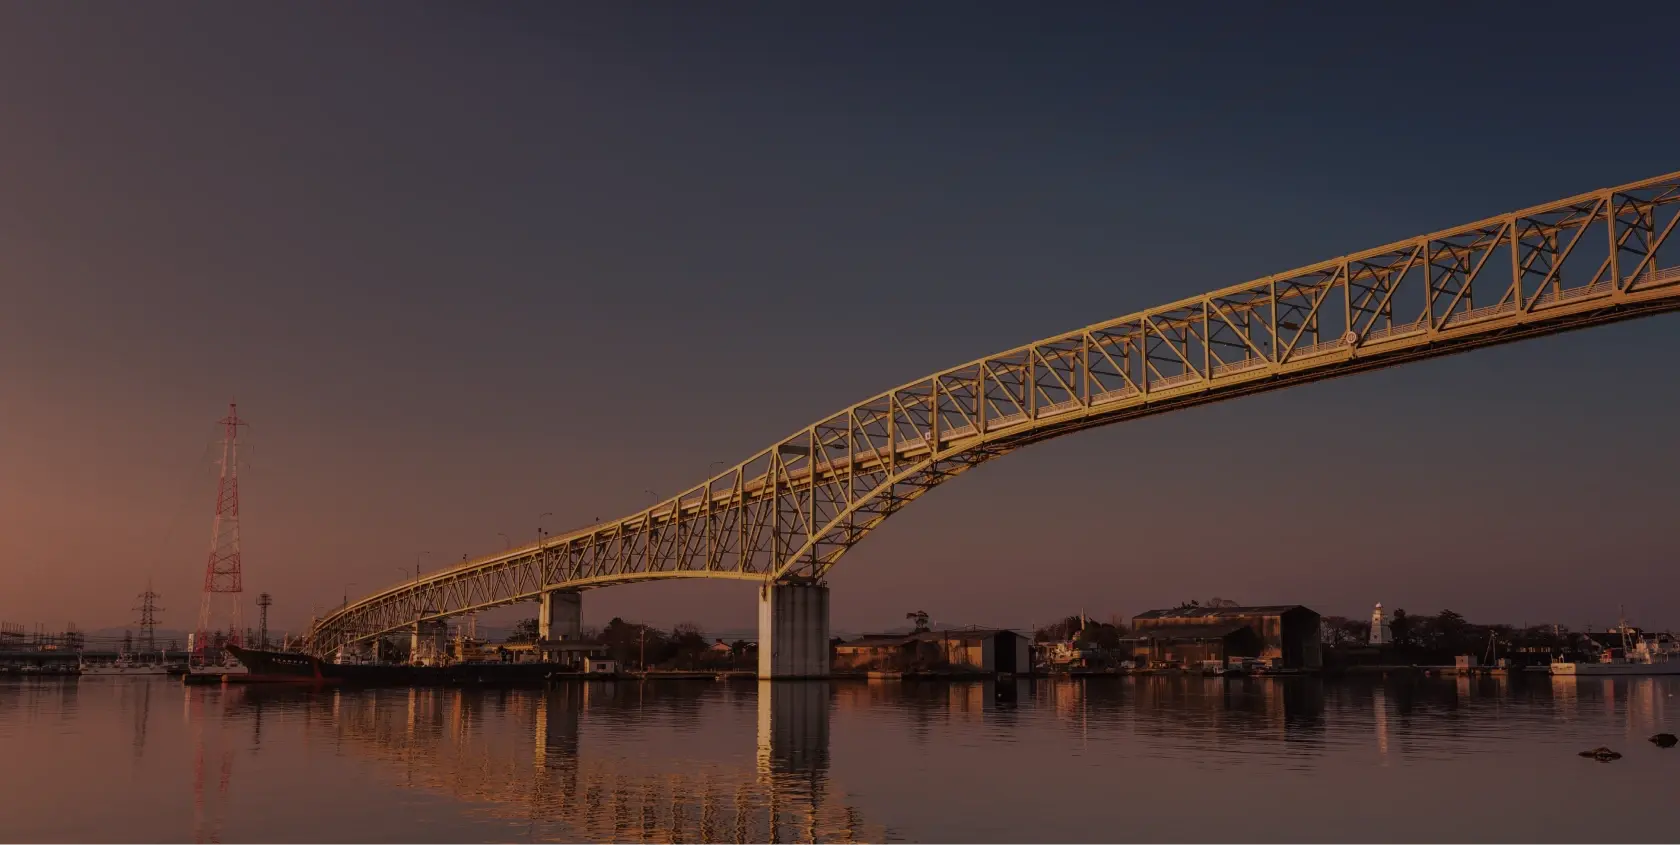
1441,637
1083,631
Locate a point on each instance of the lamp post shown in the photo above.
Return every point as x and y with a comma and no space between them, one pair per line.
506,543
347,586
540,532
419,612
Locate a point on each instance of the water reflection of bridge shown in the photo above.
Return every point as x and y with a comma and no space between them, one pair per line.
529,756
730,762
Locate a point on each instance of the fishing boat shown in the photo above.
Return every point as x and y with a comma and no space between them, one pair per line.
201,671
1635,662
1617,667
1640,654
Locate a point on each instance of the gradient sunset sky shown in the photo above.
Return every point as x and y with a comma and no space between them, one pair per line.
462,264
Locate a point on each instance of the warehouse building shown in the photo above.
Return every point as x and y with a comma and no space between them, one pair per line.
968,650
1284,635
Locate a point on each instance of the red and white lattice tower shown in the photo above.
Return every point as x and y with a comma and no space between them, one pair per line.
223,580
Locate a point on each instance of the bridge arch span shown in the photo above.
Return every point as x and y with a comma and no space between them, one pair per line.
790,512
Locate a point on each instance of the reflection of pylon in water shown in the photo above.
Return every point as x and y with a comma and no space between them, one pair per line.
207,826
198,787
142,715
223,574
202,832
207,821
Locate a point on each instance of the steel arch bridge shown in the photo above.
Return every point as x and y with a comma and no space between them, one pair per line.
789,512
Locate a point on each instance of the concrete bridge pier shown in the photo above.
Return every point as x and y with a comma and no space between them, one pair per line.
793,631
561,615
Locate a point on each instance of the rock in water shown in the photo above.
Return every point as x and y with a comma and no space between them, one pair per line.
1602,754
1666,740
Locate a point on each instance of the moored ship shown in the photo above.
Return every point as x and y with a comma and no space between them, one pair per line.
299,668
123,667
1640,653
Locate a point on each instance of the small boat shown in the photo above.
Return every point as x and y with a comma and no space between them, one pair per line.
299,668
55,669
200,672
123,667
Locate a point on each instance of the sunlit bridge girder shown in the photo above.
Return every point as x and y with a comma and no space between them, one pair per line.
792,510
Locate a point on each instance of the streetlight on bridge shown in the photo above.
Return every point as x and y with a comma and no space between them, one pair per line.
545,515
417,567
506,543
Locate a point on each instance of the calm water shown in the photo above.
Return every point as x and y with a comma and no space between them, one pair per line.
1174,759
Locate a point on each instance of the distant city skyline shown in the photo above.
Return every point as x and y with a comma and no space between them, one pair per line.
462,266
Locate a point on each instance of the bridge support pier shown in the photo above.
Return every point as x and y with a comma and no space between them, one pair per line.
561,615
792,631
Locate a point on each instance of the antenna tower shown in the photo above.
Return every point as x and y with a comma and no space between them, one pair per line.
148,619
222,574
264,602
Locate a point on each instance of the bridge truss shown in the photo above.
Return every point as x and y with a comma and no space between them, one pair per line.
789,512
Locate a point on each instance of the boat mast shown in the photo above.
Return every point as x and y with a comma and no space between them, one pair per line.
1621,613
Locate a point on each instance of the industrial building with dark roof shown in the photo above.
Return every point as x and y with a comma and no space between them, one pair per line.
972,649
1285,635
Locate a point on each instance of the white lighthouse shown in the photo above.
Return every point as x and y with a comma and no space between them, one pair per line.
1380,634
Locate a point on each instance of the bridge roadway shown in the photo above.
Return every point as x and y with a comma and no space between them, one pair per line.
784,516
